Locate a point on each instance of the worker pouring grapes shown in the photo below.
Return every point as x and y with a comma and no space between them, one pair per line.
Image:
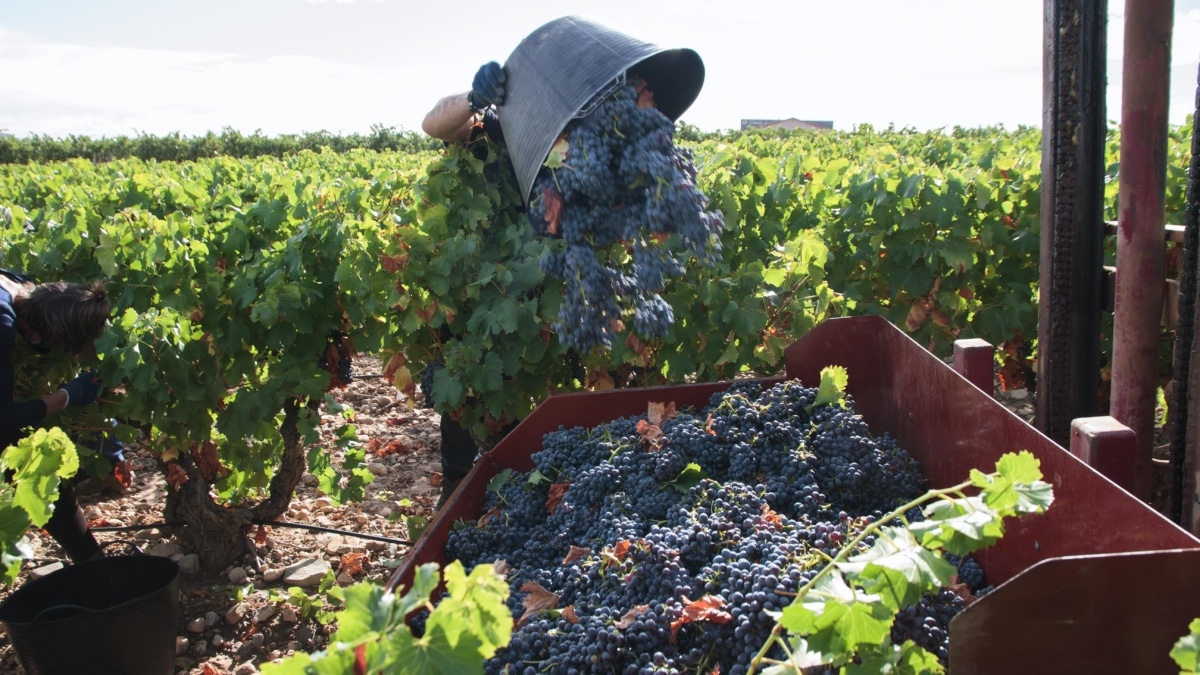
563,76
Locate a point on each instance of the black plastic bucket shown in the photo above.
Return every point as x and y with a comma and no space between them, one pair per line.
116,616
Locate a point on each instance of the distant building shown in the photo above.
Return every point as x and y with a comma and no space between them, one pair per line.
789,123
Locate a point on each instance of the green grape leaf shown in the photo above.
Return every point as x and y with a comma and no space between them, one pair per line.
1186,651
39,461
497,483
367,612
802,656
960,527
832,389
425,580
14,522
558,154
464,629
898,569
836,618
444,649
916,660
476,604
1016,487
690,477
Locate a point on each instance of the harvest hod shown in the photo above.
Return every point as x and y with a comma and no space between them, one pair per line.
1057,574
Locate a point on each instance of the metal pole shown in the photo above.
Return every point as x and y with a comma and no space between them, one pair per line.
1073,143
1140,224
1182,487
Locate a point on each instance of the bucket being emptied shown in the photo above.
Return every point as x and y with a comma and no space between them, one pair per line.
560,67
116,616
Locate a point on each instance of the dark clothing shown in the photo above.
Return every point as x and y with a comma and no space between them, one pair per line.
491,126
458,447
15,416
458,450
67,523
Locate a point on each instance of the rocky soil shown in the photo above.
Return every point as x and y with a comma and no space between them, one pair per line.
233,622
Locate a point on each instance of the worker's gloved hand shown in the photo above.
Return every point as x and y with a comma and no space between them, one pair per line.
83,389
488,87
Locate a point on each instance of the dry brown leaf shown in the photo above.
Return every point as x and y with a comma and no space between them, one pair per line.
492,513
208,461
176,476
435,479
708,608
576,553
123,475
658,413
395,363
360,660
393,263
554,499
537,599
616,554
631,616
428,312
352,563
554,207
569,614
260,535
501,568
651,433
645,95
917,314
961,590
600,380
771,517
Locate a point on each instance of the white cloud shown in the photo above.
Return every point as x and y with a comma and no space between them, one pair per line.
62,89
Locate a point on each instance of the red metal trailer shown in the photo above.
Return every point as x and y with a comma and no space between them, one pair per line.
1100,583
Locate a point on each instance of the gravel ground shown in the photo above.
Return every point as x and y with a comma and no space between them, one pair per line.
242,617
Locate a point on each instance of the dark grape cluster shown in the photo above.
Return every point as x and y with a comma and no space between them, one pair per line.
625,203
927,623
337,359
427,373
969,572
736,505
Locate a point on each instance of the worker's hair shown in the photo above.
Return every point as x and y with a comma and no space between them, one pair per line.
67,315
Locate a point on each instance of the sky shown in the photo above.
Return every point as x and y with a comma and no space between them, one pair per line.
105,68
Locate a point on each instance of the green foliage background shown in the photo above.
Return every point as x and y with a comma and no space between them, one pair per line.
229,273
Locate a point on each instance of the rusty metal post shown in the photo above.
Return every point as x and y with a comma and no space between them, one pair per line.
1141,224
1073,142
975,360
1107,446
1181,491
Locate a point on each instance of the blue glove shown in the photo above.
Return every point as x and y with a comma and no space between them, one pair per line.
83,389
488,87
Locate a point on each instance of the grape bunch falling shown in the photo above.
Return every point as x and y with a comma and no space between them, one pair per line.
623,199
